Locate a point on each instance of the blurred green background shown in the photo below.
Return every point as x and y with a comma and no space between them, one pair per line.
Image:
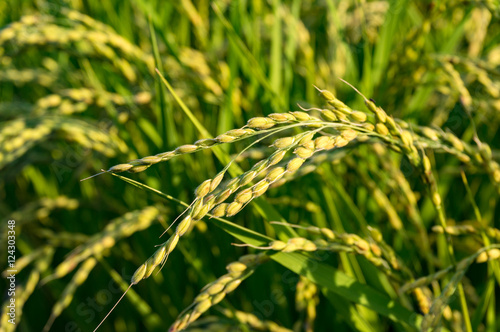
79,93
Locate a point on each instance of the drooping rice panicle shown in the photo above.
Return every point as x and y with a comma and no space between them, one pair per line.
350,243
253,321
255,126
215,292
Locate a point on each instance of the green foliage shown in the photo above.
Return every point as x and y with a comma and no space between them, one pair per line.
369,205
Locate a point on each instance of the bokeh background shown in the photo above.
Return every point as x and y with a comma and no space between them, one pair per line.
79,93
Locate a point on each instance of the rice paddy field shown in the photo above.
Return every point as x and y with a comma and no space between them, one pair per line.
249,165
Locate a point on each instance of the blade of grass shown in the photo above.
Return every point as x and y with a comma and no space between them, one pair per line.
167,125
394,16
276,49
348,312
249,63
484,302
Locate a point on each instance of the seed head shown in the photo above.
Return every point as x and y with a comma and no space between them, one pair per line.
368,126
138,169
391,124
277,245
233,183
407,138
488,255
159,255
195,209
457,144
309,246
172,243
328,233
150,267
151,160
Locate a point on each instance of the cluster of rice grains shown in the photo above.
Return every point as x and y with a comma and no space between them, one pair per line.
335,128
54,116
215,291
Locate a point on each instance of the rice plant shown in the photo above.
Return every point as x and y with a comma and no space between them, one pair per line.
249,165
